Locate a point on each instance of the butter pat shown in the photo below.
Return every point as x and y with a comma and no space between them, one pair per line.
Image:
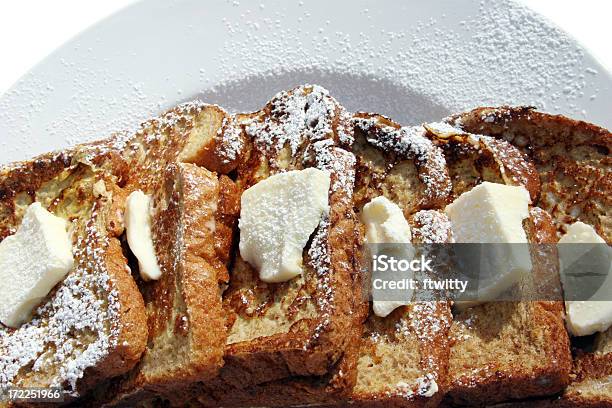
493,213
586,317
385,224
139,234
277,217
32,262
490,213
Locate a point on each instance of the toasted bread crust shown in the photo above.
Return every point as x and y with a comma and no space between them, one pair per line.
216,141
133,333
208,332
193,225
314,330
100,285
26,177
490,384
474,158
573,160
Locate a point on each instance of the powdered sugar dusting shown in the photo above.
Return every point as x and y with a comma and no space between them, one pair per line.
411,143
320,260
304,113
444,62
514,167
229,136
430,325
345,128
431,227
339,162
427,320
415,70
74,330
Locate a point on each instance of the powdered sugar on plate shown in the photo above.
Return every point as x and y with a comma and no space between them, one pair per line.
502,54
412,62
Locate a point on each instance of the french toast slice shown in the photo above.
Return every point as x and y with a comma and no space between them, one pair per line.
194,212
573,160
304,326
92,325
402,357
504,349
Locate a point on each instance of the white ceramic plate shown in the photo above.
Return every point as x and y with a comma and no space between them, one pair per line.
414,61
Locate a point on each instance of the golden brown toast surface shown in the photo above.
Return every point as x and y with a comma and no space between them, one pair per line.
299,327
573,161
193,220
402,357
92,325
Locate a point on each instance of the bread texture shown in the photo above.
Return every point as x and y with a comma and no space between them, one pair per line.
503,350
403,357
573,161
194,216
301,327
92,325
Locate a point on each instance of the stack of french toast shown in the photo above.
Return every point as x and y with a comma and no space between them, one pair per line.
217,260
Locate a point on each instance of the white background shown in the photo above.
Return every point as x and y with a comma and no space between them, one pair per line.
31,29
